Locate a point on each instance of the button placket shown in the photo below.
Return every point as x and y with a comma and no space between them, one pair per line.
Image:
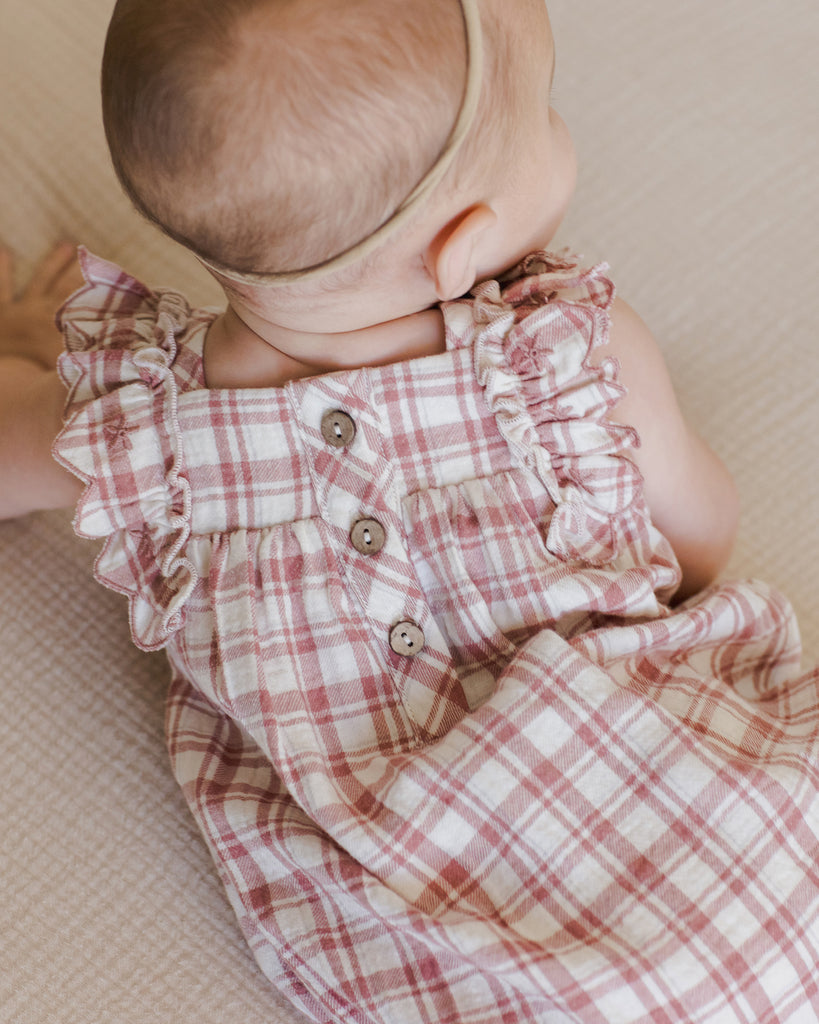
354,482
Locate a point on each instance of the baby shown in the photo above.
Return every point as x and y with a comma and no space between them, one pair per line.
423,531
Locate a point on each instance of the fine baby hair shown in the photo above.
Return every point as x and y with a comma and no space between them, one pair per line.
269,139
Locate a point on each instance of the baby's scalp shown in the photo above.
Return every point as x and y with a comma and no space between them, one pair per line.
270,135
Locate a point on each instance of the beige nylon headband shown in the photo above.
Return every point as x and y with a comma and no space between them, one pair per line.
466,116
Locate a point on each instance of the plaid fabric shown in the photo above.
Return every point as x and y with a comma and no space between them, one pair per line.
572,803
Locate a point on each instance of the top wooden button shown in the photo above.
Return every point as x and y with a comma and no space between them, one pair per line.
338,429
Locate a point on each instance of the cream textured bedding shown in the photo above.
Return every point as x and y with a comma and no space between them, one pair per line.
696,126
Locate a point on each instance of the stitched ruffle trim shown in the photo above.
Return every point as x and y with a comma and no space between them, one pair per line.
121,438
535,330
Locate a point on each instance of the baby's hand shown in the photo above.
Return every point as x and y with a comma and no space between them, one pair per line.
27,328
32,397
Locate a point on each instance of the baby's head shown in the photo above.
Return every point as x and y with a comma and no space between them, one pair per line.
271,135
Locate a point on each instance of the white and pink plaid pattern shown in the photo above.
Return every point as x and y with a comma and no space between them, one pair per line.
572,803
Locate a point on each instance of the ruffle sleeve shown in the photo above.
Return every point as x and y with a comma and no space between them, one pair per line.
121,438
535,332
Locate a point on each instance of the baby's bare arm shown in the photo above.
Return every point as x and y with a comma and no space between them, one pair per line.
31,394
691,495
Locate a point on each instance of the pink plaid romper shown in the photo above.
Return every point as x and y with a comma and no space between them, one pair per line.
456,759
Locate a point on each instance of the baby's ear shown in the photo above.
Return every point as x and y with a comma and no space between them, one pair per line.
451,258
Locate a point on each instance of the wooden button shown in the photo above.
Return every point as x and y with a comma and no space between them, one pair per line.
407,639
368,536
337,428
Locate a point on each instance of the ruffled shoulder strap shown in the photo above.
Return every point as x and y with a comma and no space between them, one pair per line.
121,438
533,332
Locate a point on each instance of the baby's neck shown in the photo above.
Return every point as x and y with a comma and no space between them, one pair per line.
250,352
